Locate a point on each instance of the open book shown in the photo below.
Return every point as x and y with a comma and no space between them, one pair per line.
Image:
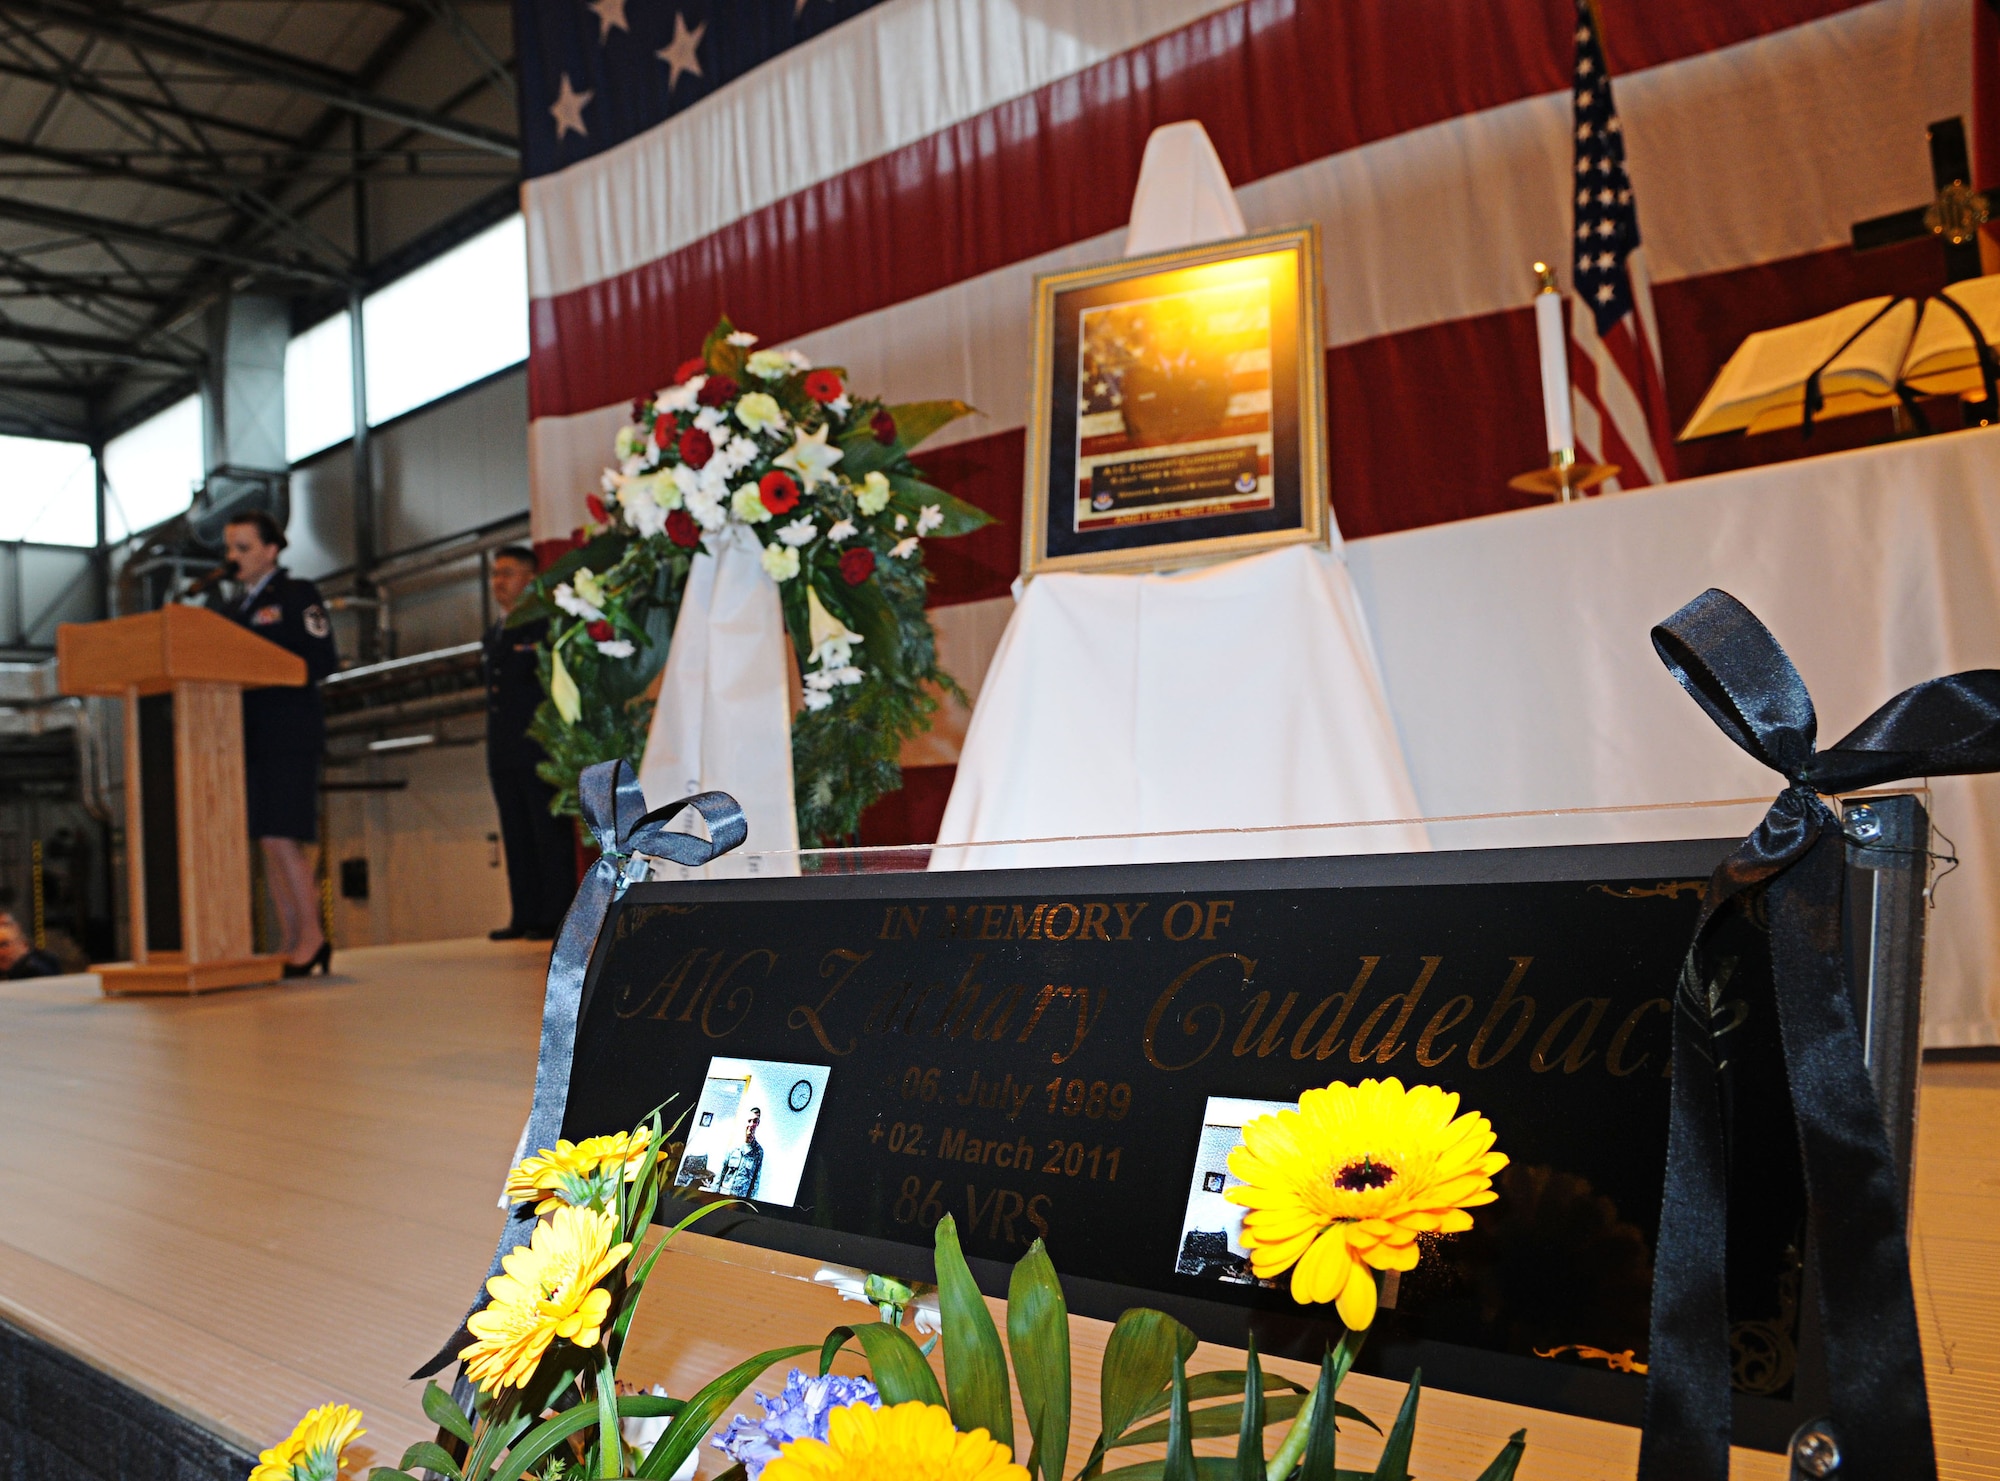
1867,349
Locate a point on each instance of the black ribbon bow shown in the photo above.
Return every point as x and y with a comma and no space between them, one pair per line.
1724,657
614,809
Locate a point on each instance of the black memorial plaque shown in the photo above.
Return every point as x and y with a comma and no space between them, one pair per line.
1038,1053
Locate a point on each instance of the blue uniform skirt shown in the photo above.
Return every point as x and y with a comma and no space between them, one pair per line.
283,788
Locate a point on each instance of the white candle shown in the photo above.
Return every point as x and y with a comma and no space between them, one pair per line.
1550,341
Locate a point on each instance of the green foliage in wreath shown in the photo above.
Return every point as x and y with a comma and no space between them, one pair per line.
824,482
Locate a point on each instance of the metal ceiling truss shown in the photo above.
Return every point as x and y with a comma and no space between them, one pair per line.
130,68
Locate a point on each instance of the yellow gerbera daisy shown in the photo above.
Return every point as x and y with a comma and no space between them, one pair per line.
550,1290
1351,1178
909,1442
578,1174
313,1451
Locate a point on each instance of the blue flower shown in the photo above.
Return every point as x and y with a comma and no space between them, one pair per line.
800,1411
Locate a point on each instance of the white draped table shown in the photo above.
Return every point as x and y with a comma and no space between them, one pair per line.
1515,656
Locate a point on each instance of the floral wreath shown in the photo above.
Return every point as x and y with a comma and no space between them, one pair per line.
765,441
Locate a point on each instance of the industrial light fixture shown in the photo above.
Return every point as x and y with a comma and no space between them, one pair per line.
402,743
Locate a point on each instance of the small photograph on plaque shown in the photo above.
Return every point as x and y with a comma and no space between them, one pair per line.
1178,407
752,1129
1211,1246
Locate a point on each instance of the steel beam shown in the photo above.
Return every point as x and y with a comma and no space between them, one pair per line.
91,87
144,30
54,218
96,346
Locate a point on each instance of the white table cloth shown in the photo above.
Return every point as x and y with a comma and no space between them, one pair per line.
1514,655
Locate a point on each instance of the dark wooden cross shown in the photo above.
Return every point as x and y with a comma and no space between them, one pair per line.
1954,215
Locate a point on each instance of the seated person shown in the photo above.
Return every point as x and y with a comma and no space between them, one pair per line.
19,957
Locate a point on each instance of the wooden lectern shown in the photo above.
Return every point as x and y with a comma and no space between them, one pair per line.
181,672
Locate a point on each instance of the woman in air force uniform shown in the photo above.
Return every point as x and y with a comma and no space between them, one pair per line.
284,732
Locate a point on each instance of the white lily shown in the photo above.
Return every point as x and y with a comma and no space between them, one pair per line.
810,458
563,690
832,643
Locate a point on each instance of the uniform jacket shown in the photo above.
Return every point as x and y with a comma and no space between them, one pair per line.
513,690
288,612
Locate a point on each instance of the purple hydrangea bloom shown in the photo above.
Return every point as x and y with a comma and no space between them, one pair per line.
800,1411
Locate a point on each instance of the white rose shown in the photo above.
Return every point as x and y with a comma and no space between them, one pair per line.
799,532
748,505
781,562
770,365
759,412
873,496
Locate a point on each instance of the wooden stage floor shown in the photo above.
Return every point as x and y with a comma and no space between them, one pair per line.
250,1203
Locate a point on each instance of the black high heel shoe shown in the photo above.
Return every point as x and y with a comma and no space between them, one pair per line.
323,959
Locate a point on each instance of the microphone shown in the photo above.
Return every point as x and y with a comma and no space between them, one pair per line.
210,578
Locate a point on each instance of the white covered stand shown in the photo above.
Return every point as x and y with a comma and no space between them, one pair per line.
1242,695
724,718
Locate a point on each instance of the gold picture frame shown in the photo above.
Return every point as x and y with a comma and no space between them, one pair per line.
1221,345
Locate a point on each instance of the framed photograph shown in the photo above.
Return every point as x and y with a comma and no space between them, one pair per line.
1179,411
754,1126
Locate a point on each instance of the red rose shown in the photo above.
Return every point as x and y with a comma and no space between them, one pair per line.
696,449
597,509
883,426
689,369
857,564
823,386
682,530
666,426
599,631
780,494
716,390
638,408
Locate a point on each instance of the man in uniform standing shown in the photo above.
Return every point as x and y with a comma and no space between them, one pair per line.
541,848
743,1168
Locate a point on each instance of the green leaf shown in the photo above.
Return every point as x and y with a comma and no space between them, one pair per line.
500,1433
600,553
1509,1457
550,1433
895,1362
909,496
881,635
1250,1430
1220,1383
693,1423
1217,1419
1395,1462
975,1365
918,420
1038,1334
610,1442
1320,1437
1138,1366
1179,1464
388,1473
431,1457
446,1415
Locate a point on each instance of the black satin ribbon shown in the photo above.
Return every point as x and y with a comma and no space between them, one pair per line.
614,809
1735,670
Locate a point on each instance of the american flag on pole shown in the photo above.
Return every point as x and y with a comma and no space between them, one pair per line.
1617,388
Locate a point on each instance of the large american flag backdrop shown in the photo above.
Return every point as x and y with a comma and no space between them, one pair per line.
879,181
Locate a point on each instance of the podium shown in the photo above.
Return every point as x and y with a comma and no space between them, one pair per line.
181,672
